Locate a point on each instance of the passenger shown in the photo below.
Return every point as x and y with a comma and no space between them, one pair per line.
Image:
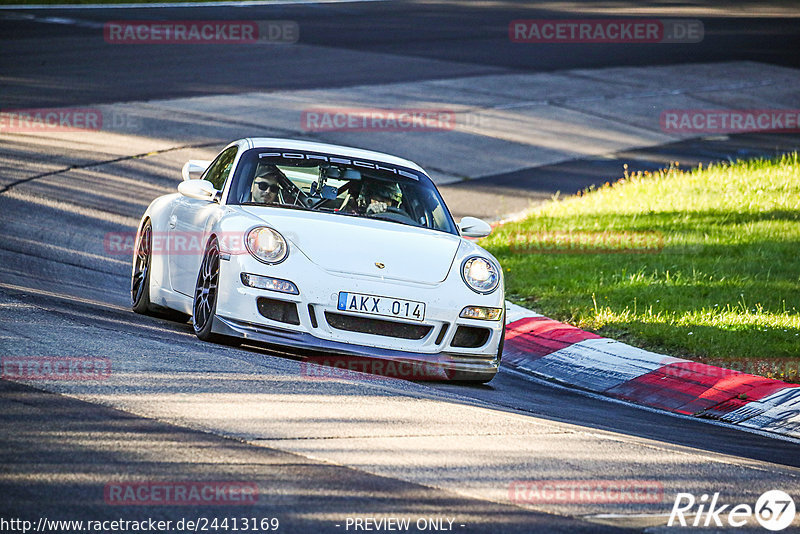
379,197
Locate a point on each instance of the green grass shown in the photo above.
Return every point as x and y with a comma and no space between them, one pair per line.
715,276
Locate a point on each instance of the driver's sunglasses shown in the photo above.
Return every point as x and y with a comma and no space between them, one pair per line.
264,186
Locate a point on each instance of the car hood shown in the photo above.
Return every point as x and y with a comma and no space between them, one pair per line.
351,245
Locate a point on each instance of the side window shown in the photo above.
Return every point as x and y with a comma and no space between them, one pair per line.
220,168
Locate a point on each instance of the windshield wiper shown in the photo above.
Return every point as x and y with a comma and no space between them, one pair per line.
276,205
377,218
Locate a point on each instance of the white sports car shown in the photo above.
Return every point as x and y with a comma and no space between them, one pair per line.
323,249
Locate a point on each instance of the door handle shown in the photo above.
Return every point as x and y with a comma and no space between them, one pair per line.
173,221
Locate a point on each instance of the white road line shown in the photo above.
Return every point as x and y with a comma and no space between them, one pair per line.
247,3
51,20
617,516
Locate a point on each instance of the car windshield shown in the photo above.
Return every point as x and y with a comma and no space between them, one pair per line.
339,185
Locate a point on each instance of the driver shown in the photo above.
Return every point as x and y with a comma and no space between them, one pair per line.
378,196
266,186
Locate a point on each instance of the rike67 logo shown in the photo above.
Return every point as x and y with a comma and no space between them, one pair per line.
774,510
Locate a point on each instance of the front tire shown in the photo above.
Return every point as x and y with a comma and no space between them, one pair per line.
206,290
501,345
205,293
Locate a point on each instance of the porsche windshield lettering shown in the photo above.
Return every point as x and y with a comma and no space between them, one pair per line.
340,160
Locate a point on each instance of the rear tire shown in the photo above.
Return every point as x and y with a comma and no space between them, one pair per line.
140,277
140,280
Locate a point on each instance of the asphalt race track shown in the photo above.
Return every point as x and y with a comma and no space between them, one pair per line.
69,64
319,451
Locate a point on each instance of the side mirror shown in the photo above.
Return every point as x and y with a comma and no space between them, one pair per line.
199,189
194,166
473,227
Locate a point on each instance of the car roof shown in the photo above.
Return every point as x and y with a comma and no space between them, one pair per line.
351,152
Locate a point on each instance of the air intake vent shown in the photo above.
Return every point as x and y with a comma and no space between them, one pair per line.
278,310
378,327
442,332
312,315
470,337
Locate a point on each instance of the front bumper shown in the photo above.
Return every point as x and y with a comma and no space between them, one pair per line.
347,356
311,329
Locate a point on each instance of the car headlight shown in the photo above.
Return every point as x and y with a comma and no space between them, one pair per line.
266,244
480,274
481,313
269,283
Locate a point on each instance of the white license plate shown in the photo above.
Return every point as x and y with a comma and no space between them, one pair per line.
383,306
